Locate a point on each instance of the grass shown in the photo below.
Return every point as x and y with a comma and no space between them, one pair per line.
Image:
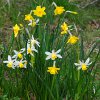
35,82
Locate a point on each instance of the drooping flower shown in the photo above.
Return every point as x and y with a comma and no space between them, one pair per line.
83,65
10,62
29,17
53,70
33,22
64,28
59,10
53,55
30,49
72,39
34,42
16,29
18,54
40,11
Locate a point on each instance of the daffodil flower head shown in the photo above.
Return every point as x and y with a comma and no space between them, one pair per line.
34,42
40,11
53,70
10,62
16,29
72,39
30,49
33,23
64,28
59,10
21,64
53,55
29,17
18,54
83,65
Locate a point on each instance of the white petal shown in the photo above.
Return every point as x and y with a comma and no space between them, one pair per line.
59,56
47,53
37,43
58,51
76,64
14,56
79,68
22,50
80,62
48,57
87,61
15,52
37,21
5,61
9,58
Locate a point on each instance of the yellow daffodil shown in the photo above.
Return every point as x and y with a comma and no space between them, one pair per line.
72,39
16,29
83,65
53,55
40,11
29,17
53,70
59,10
64,28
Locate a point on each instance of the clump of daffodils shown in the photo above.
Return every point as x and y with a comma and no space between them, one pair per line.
83,65
18,59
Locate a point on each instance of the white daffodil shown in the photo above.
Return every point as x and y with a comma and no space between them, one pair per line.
30,49
33,22
18,54
10,62
33,42
53,55
83,65
21,63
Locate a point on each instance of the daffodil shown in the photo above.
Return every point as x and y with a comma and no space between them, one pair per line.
10,62
59,10
83,65
21,64
30,49
53,55
29,17
40,11
33,42
64,28
33,22
53,70
18,54
72,39
16,29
